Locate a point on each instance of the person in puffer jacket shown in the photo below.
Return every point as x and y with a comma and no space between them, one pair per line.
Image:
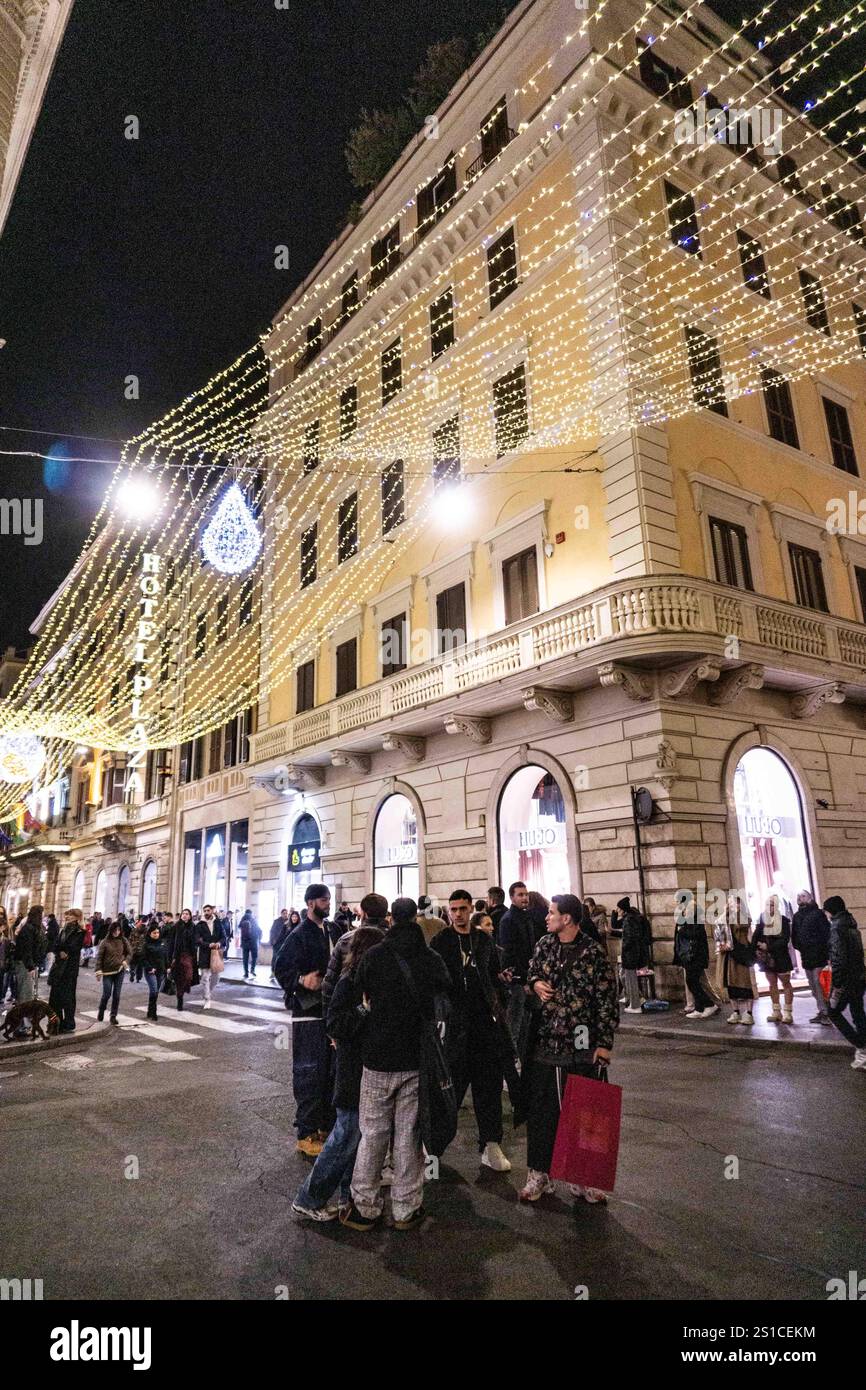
849,978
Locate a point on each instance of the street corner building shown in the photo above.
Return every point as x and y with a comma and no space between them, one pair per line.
561,477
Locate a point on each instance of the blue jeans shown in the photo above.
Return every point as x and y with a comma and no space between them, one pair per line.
111,987
153,983
250,951
335,1164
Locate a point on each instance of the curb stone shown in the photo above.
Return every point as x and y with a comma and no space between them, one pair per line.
22,1048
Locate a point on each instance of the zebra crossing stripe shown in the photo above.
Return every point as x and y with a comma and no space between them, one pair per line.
161,1054
221,1025
243,1010
145,1029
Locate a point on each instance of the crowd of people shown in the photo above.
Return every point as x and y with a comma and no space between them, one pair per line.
525,993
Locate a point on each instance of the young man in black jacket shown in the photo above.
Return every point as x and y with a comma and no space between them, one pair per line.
810,935
475,1039
302,965
391,1054
849,978
517,938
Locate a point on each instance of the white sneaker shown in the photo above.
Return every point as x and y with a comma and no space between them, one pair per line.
746,1018
690,1013
787,1016
859,1063
494,1158
537,1185
206,1004
734,1017
629,1009
709,1011
588,1194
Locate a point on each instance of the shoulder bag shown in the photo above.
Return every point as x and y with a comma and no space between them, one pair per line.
437,1103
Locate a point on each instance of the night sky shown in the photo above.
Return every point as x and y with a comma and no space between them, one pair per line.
156,256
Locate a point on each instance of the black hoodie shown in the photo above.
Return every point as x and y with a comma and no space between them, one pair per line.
392,1038
846,954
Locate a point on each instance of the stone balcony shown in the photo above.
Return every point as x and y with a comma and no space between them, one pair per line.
649,637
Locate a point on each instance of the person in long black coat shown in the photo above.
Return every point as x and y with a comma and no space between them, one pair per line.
63,976
182,955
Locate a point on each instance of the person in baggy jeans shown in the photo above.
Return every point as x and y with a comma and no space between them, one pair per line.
332,1171
391,1054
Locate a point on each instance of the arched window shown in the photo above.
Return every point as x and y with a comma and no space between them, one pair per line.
148,887
773,845
123,890
395,849
100,892
531,822
304,859
78,890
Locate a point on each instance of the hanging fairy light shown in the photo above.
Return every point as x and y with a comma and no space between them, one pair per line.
232,541
22,757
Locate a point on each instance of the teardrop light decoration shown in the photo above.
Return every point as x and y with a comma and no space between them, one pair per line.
22,756
231,542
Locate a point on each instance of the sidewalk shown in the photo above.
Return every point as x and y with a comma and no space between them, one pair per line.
85,1031
801,1035
234,975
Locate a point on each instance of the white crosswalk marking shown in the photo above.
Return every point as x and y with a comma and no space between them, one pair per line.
260,1003
220,1025
244,1010
145,1029
161,1054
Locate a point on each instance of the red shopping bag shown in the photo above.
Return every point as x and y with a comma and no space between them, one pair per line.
587,1137
826,979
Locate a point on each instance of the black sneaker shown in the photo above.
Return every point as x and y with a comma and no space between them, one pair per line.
355,1221
408,1223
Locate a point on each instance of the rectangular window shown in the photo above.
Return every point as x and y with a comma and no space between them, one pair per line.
230,742
198,749
450,619
248,723
309,554
809,589
860,576
384,256
348,411
349,297
682,219
393,645
305,687
441,324
347,528
753,265
780,408
347,667
860,324
393,496
222,626
731,554
200,635
520,585
245,604
705,368
813,299
446,453
392,371
502,268
184,763
839,430
311,446
510,415
313,344
157,773
215,748
663,79
495,133
786,172
435,200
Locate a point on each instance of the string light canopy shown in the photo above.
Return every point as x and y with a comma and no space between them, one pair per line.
251,515
22,757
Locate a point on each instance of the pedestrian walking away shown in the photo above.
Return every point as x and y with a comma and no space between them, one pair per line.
250,934
574,1016
848,981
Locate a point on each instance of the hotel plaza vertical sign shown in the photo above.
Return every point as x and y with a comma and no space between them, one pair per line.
150,587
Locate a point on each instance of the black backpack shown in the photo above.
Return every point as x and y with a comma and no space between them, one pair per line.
437,1103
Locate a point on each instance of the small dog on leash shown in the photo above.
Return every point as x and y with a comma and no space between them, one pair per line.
35,1010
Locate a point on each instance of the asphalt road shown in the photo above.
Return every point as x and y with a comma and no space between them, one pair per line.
203,1116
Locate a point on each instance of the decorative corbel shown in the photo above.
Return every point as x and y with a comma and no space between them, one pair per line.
358,762
409,745
681,682
732,683
558,705
479,730
808,702
305,777
635,683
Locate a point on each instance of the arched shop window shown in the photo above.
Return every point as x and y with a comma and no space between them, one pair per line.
123,889
100,892
78,890
395,849
773,845
532,843
304,862
148,887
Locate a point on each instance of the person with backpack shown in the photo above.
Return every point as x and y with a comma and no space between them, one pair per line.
250,935
346,1019
398,981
